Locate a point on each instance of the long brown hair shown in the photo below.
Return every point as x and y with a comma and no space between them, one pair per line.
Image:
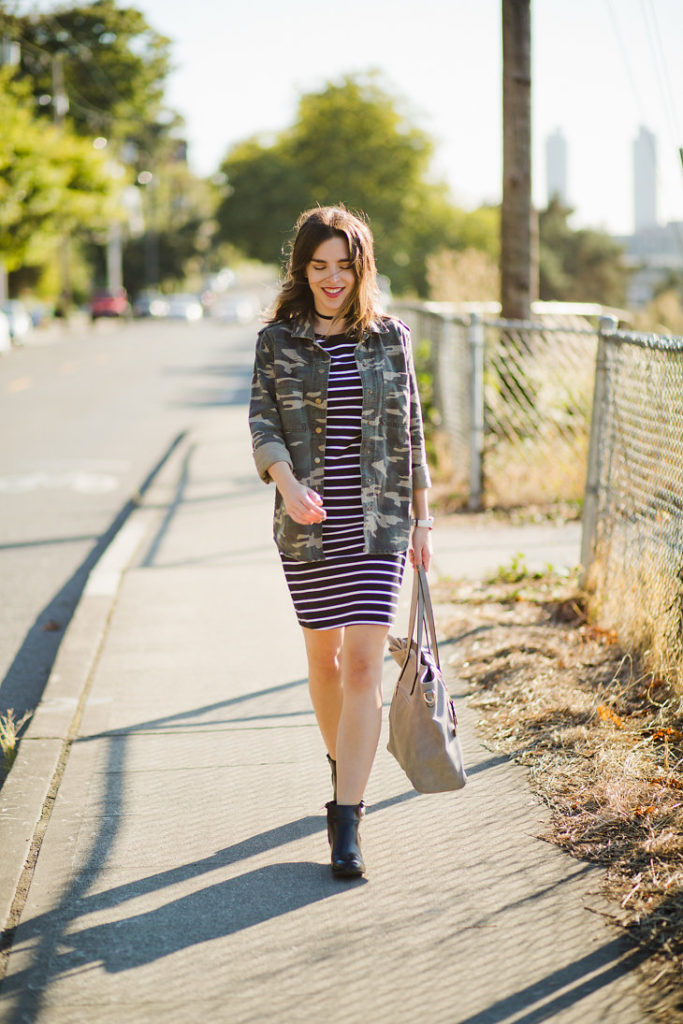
295,300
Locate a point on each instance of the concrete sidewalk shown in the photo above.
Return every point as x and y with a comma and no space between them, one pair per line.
182,870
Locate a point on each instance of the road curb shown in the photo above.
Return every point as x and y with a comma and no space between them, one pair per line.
29,791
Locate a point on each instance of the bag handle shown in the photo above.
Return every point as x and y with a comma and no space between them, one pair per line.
421,614
412,618
428,613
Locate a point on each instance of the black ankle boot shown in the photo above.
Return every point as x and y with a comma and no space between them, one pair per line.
342,828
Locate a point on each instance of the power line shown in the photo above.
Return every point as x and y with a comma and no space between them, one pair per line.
627,63
662,69
644,115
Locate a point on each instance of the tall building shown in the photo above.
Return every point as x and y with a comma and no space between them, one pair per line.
644,180
556,166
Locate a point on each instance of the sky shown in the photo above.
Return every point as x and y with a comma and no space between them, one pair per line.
600,69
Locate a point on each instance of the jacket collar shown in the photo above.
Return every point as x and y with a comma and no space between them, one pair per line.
304,329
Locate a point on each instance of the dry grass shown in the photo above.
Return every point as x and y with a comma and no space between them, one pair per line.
643,601
9,740
603,742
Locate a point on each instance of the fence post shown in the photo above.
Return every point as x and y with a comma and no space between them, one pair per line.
607,325
475,342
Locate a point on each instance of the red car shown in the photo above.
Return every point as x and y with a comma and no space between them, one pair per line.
105,303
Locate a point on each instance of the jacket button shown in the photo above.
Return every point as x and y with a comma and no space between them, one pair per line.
316,459
318,430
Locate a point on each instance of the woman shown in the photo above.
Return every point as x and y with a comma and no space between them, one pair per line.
336,424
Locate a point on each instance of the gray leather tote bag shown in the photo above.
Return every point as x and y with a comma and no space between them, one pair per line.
422,722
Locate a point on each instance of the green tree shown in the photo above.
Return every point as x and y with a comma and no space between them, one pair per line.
51,182
350,143
108,62
578,266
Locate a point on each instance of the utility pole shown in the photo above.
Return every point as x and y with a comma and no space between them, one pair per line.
516,273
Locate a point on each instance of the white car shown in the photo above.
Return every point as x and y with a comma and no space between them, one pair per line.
5,336
184,307
20,323
234,309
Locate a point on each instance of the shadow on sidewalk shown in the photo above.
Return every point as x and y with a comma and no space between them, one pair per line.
56,946
561,989
218,910
25,680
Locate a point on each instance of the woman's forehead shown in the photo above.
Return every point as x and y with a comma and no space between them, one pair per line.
335,248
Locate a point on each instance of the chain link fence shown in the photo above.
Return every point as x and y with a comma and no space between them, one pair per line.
632,549
513,398
559,409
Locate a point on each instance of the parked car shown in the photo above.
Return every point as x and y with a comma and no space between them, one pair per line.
5,337
18,319
104,303
184,307
152,304
234,308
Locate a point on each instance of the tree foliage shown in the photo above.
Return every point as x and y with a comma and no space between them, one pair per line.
350,143
50,182
113,67
578,266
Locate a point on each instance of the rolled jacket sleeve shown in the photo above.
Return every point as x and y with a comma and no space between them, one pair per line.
421,477
267,438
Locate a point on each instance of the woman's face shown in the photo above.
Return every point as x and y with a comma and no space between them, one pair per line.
331,276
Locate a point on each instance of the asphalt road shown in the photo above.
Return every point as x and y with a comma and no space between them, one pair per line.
84,421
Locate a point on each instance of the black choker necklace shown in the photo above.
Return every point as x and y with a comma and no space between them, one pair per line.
321,316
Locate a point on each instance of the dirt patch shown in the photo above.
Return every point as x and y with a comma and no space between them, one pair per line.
602,740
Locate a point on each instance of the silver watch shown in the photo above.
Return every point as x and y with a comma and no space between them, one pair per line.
428,523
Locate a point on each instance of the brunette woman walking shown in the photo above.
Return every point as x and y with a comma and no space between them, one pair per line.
336,423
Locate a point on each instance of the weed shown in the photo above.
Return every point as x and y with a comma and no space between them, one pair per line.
517,571
9,737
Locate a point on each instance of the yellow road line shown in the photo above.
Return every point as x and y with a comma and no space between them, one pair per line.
20,384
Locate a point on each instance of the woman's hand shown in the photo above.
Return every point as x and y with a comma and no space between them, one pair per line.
302,504
420,549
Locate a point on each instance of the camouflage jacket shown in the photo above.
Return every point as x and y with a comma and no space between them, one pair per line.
288,416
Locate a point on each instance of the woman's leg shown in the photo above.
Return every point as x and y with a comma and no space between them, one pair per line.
360,722
323,649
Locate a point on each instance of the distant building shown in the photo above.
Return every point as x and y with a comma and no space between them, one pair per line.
556,166
644,180
652,254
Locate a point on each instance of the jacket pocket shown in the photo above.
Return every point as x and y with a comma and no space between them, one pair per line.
290,403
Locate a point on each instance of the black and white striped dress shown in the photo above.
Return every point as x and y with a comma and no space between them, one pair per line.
347,587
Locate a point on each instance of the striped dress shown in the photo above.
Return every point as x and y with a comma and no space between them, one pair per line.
347,587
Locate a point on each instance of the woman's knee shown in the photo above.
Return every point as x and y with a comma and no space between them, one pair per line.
323,649
362,662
